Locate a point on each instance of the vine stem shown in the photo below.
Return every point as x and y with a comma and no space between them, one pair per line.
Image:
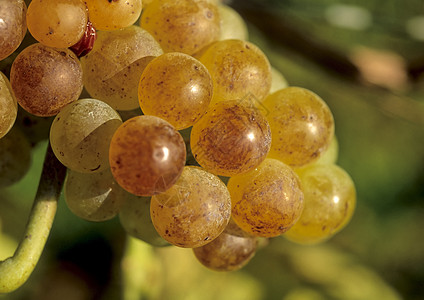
15,270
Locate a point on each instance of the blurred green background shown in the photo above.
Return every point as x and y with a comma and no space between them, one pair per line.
365,59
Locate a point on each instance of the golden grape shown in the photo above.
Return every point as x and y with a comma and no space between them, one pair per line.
13,26
232,24
8,106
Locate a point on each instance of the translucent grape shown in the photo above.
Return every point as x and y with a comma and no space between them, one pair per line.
231,138
278,81
232,24
147,155
57,23
81,133
330,200
268,200
13,26
194,211
15,157
135,219
93,197
46,79
113,14
301,123
238,68
182,25
228,252
331,154
175,87
113,68
8,106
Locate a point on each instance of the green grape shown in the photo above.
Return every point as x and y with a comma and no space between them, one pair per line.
231,138
194,211
232,24
278,81
81,133
15,157
135,219
238,68
93,197
113,14
182,25
228,252
113,68
57,23
8,106
266,201
301,123
330,200
13,26
46,79
175,87
147,155
331,154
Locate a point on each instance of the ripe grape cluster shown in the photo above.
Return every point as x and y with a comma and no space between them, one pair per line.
184,129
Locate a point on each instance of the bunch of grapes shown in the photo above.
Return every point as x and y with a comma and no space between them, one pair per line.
166,115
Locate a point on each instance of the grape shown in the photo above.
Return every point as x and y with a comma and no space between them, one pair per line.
330,199
268,200
8,106
147,155
194,211
301,123
113,14
136,221
113,68
15,157
46,79
81,133
232,24
278,81
57,23
228,252
231,138
93,197
182,25
13,25
238,68
175,87
331,154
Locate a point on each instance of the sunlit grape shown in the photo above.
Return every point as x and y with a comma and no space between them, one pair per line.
231,138
268,200
113,14
93,197
232,24
46,79
330,200
57,23
113,68
175,87
301,123
194,211
8,106
278,81
81,133
147,155
182,25
12,25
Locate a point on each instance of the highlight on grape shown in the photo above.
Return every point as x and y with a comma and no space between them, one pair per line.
184,129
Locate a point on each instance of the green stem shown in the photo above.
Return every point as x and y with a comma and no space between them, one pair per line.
15,270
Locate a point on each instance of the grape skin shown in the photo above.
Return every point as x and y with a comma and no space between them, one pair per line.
14,26
232,24
8,106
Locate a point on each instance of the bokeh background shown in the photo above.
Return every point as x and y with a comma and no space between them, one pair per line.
366,60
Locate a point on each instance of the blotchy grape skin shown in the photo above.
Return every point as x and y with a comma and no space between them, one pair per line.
46,79
268,200
231,138
147,155
194,211
14,27
8,106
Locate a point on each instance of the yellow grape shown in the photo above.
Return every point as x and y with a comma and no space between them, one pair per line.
278,81
302,125
268,200
231,138
113,14
194,211
175,87
8,106
57,23
331,154
182,25
330,200
238,68
13,26
232,24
